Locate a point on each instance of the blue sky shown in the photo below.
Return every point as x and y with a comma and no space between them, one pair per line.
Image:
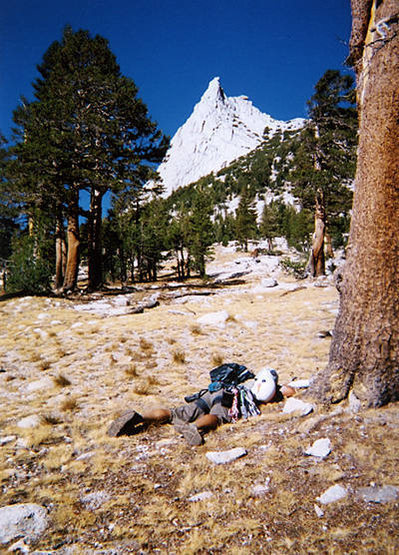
272,51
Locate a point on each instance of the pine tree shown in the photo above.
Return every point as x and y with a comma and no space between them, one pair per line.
325,157
86,130
246,227
269,225
199,232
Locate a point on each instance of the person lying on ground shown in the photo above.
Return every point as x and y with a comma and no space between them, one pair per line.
208,409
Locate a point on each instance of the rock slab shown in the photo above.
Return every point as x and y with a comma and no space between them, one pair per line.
378,494
332,494
25,519
296,405
321,448
224,457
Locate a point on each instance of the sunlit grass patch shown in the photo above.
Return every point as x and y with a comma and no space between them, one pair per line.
196,329
57,456
143,387
50,419
61,381
70,404
146,345
178,356
217,359
131,371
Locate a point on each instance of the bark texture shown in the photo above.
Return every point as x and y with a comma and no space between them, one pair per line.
317,266
72,263
59,254
364,355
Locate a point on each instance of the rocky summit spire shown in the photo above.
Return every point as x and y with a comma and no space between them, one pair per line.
214,92
219,130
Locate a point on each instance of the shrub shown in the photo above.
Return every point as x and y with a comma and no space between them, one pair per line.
27,272
298,269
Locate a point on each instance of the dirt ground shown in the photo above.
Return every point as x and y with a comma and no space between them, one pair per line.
68,367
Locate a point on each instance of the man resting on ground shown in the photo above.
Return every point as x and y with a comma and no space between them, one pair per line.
207,410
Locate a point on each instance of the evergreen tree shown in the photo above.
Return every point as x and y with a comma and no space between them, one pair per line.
86,130
246,227
325,155
269,225
199,232
176,241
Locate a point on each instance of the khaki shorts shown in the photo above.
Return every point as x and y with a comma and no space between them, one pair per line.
193,410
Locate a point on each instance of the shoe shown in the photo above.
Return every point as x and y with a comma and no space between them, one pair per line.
130,423
189,432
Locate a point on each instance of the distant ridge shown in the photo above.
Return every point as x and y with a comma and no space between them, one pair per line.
219,130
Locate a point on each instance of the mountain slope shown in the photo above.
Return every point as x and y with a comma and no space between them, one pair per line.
219,130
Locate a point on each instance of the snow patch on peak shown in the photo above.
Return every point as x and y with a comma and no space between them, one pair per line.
219,130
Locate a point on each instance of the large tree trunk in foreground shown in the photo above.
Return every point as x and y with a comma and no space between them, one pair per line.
364,355
72,264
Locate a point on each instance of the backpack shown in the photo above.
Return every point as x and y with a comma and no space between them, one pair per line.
228,375
225,376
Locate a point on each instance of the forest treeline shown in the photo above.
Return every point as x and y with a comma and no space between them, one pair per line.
87,134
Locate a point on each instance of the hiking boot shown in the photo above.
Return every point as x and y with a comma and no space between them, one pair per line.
189,432
130,423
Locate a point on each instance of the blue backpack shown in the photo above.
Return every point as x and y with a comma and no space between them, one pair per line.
226,376
229,375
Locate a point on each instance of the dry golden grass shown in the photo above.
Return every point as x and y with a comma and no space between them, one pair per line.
149,478
61,381
69,404
178,356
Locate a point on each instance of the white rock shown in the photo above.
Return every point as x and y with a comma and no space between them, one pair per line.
296,405
200,496
7,439
299,383
223,457
332,494
121,300
214,318
94,500
37,385
269,282
354,403
26,519
251,325
29,422
261,489
318,511
19,547
379,494
321,448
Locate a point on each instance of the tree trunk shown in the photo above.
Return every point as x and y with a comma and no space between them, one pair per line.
72,263
94,246
59,254
364,355
328,250
316,264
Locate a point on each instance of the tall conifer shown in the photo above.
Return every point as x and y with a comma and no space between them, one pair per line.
86,130
325,157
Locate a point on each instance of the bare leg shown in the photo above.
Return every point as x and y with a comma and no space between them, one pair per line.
207,422
157,416
131,422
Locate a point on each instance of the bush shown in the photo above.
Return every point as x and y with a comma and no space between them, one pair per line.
27,272
298,269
